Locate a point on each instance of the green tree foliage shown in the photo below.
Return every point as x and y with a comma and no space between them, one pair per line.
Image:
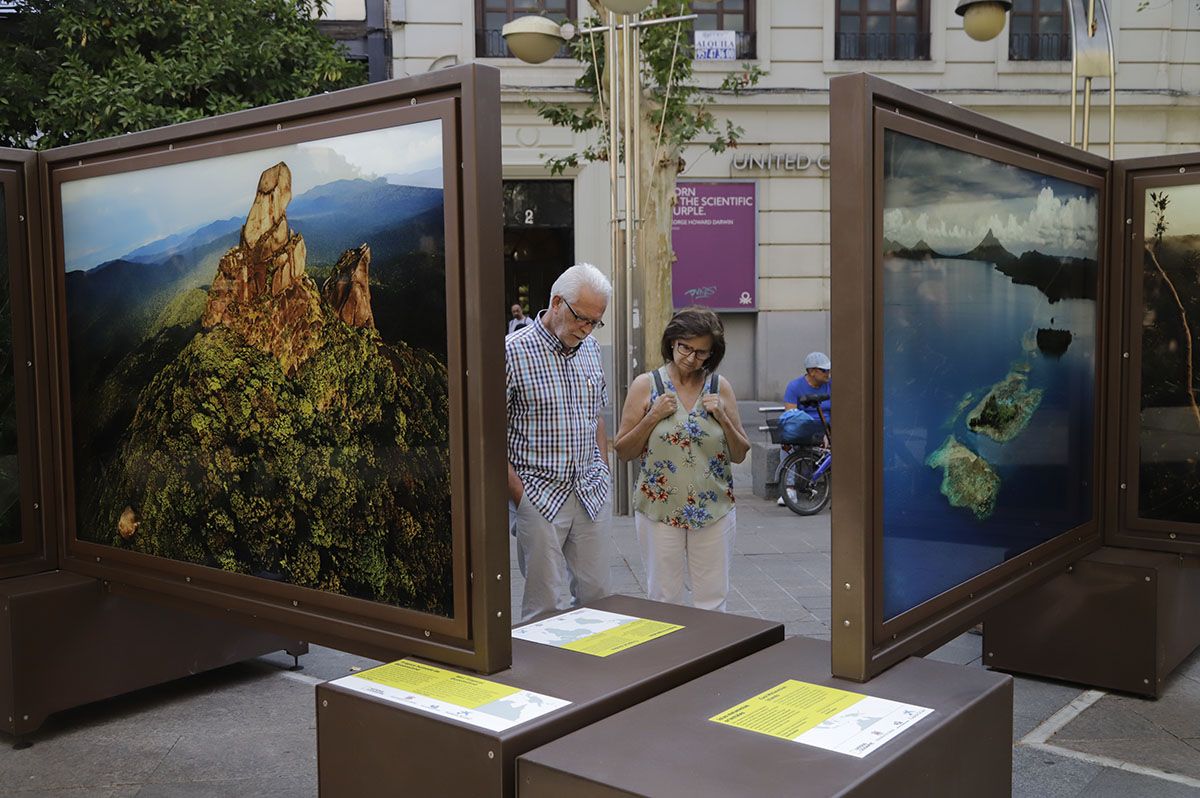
672,100
676,111
335,478
74,71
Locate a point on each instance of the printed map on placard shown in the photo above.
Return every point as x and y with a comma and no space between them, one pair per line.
824,717
479,702
594,632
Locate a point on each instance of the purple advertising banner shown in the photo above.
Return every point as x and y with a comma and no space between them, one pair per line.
715,237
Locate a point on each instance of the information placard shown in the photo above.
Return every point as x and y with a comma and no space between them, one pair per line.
824,717
479,702
594,632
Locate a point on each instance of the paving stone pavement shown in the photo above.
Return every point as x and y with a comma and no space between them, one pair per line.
250,730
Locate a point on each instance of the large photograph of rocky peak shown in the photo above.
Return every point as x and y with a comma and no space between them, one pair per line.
257,349
990,276
1169,466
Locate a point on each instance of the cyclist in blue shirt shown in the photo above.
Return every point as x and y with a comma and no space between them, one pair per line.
813,383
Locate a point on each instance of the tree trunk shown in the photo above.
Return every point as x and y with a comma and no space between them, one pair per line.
654,253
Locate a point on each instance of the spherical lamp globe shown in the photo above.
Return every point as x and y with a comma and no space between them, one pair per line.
532,39
626,6
983,19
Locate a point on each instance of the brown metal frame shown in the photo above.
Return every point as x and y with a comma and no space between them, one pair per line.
862,107
466,99
1131,180
37,550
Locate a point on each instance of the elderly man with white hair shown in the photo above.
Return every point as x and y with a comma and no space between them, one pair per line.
558,477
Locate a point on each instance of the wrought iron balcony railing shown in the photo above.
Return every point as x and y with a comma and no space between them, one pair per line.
490,44
1039,47
881,46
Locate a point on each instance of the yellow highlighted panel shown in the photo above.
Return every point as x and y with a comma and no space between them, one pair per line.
627,635
788,709
439,684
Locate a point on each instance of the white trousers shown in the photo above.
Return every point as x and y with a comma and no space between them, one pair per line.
702,554
570,553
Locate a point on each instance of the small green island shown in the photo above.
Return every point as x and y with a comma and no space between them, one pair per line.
962,405
1005,412
967,479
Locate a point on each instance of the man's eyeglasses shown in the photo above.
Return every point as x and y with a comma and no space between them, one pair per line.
596,324
687,351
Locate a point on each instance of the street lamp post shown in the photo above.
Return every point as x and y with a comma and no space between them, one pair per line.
537,39
1092,54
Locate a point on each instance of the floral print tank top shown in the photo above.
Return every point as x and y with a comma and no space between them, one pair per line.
685,477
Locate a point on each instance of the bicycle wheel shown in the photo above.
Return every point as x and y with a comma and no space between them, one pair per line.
802,494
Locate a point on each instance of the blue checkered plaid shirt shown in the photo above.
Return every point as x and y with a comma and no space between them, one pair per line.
554,401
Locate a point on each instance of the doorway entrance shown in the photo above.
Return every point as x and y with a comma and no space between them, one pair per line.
539,240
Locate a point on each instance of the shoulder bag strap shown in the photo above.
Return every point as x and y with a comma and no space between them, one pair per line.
659,388
714,383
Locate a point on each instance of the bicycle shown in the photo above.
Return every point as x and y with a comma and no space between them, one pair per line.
805,475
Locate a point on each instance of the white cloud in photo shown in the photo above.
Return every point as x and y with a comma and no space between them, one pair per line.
1046,223
109,216
951,199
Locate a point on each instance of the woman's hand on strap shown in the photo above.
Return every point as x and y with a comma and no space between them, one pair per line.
664,407
714,406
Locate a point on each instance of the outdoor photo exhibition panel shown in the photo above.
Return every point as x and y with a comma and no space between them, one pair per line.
272,364
24,545
967,328
1157,239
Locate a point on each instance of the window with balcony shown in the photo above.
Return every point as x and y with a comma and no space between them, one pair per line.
734,15
882,30
490,16
1039,30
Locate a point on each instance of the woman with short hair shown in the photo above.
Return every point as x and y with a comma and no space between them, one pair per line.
681,421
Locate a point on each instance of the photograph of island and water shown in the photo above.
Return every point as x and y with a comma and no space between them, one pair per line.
989,345
257,349
1168,473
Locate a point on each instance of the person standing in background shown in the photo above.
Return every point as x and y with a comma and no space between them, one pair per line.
518,320
558,477
682,422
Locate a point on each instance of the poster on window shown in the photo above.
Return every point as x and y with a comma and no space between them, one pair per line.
714,232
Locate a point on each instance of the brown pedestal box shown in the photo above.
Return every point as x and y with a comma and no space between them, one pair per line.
1120,619
668,745
65,641
369,747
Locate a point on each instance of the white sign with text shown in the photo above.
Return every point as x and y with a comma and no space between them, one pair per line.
716,45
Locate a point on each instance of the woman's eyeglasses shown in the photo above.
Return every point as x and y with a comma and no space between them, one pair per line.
596,324
687,351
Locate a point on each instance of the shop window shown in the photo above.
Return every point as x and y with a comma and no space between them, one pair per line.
882,30
1039,30
734,15
491,15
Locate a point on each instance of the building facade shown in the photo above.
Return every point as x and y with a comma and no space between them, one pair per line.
1022,77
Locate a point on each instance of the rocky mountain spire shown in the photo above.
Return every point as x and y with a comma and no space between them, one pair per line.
348,289
261,289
